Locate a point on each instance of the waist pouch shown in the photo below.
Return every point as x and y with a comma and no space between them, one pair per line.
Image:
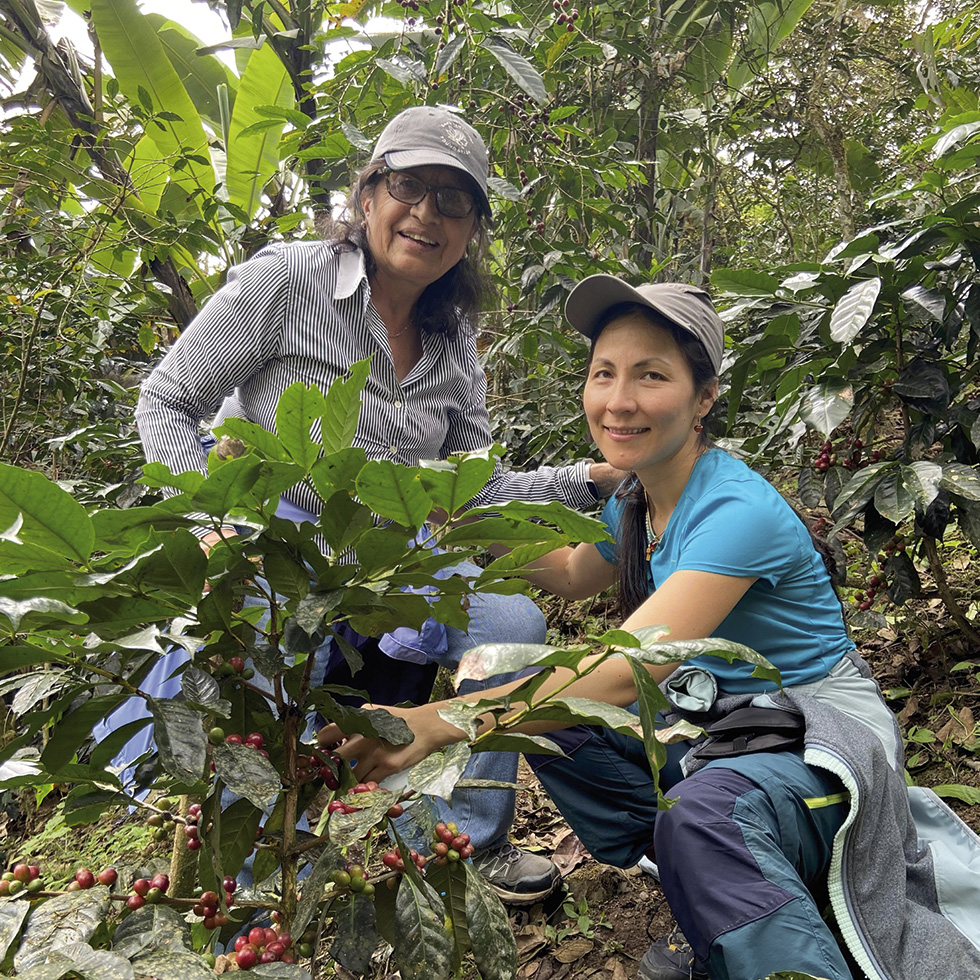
752,729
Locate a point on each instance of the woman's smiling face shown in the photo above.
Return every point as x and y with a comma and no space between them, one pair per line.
413,245
639,396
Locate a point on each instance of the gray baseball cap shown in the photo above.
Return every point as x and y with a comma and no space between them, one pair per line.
427,136
688,307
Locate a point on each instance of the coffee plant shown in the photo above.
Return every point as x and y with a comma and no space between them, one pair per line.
875,350
91,601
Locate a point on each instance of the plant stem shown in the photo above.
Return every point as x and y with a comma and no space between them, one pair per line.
946,593
183,862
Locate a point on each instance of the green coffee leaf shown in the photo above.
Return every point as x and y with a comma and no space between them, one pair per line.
671,651
200,687
394,491
247,774
346,828
51,518
423,932
342,408
490,933
38,612
893,500
921,479
74,728
97,964
501,530
853,310
962,480
437,774
825,406
227,487
519,69
172,965
337,471
453,483
157,474
356,935
298,408
259,438
239,822
490,659
12,915
72,917
448,54
330,860
180,739
370,722
584,711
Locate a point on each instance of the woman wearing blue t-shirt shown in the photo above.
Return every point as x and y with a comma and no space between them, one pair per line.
708,548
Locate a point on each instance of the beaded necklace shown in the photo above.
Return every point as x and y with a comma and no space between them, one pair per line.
653,538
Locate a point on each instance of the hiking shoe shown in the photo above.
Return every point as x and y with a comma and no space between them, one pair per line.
670,958
518,877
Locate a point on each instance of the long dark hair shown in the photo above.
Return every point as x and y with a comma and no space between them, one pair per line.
448,305
633,538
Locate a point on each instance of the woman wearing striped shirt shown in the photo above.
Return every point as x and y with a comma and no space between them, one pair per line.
402,284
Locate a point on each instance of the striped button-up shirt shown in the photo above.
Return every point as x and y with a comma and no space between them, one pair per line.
302,312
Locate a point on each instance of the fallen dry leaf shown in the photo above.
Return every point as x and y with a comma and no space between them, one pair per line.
569,854
574,949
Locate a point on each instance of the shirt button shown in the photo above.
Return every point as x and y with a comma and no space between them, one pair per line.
394,450
398,404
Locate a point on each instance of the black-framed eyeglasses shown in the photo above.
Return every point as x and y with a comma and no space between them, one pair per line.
451,202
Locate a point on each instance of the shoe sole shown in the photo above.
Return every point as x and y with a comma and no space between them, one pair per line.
525,898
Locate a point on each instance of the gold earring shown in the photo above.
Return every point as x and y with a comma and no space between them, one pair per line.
698,427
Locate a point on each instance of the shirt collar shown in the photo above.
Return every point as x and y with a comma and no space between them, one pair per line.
351,272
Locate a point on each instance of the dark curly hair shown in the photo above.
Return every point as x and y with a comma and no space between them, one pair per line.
451,303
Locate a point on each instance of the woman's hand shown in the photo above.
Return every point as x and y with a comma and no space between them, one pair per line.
607,478
374,758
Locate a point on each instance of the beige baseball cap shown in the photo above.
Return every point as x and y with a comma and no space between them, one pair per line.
686,306
429,136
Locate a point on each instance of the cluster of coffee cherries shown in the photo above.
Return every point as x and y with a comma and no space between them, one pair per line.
264,945
445,24
191,830
394,861
449,844
347,806
148,891
864,598
209,910
235,666
856,460
316,765
22,877
565,16
253,741
354,878
895,543
85,878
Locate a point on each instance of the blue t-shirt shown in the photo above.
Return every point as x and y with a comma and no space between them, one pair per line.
731,521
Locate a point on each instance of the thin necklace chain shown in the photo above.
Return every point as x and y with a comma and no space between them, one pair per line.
398,333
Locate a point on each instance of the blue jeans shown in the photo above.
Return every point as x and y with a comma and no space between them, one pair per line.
487,814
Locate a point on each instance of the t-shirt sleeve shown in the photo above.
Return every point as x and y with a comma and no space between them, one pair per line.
610,516
734,532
